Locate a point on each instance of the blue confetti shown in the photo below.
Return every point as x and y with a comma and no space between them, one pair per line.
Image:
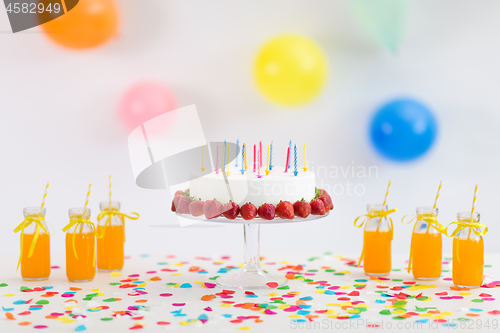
252,295
202,272
203,316
80,328
48,287
422,321
450,325
222,270
303,312
144,255
355,316
186,285
299,321
304,306
19,302
227,315
476,310
307,298
329,292
380,301
34,308
7,309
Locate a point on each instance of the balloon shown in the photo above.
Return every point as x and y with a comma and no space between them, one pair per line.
143,102
384,20
403,129
89,24
290,70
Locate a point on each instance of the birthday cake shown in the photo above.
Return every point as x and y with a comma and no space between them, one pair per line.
253,193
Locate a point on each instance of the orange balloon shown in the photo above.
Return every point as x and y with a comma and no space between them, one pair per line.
89,24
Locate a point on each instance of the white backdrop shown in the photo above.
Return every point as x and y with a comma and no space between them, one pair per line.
59,122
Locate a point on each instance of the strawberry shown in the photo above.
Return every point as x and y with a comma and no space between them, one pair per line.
248,211
214,209
175,202
267,211
317,207
196,208
231,210
285,210
179,193
183,205
326,198
302,208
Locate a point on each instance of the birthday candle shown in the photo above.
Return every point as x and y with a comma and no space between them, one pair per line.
289,152
227,169
295,160
305,167
259,162
254,157
260,153
245,150
267,169
223,155
287,159
243,159
237,147
271,158
217,161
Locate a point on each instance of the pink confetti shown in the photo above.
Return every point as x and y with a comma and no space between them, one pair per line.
40,326
53,267
178,304
56,314
269,312
488,299
151,272
166,295
208,308
210,285
133,275
494,312
334,287
448,279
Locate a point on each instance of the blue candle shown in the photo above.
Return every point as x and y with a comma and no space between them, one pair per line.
295,160
271,157
243,159
237,147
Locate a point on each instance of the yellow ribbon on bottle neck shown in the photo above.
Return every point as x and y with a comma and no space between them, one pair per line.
79,222
431,220
371,215
27,222
112,212
470,223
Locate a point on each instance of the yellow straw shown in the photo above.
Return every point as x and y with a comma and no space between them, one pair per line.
387,193
45,194
267,168
474,201
203,157
110,191
305,166
245,155
437,195
86,201
227,168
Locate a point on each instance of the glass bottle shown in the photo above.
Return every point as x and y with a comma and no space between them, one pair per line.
110,243
426,246
36,267
468,254
377,238
80,268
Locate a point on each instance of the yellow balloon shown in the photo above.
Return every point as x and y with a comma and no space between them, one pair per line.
290,70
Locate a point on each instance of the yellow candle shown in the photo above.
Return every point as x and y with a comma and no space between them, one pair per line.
267,168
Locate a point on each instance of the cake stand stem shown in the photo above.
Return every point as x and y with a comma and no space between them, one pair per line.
251,276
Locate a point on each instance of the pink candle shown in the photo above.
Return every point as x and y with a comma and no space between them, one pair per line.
287,158
260,154
254,156
258,166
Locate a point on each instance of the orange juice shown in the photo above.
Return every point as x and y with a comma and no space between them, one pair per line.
110,252
80,269
426,255
377,252
36,267
469,272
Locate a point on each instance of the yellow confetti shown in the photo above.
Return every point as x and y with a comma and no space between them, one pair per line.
330,311
346,304
354,311
345,287
95,289
179,264
428,299
333,316
177,285
439,317
399,311
362,305
425,314
218,262
224,305
199,282
295,316
115,274
294,293
283,306
74,306
273,294
333,304
320,291
244,328
176,274
447,313
431,286
346,272
465,294
284,262
183,323
9,295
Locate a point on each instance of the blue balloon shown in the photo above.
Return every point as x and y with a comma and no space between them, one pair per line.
403,130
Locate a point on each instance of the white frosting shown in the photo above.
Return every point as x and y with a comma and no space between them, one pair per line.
241,189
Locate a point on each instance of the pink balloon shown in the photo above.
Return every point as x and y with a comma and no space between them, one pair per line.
143,102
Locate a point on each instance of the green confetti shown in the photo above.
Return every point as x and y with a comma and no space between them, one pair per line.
398,318
284,287
106,319
361,280
42,302
338,274
23,288
487,266
279,301
396,270
463,319
171,284
448,258
3,284
312,270
308,280
397,280
361,309
328,253
329,270
313,258
214,277
446,270
477,300
109,300
385,312
399,303
422,298
115,284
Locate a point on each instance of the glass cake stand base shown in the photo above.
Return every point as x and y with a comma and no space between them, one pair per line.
252,276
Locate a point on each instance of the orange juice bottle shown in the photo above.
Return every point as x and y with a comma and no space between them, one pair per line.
80,240
37,266
426,246
377,238
110,243
468,253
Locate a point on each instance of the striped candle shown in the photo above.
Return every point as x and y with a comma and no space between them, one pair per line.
295,160
271,157
243,159
237,147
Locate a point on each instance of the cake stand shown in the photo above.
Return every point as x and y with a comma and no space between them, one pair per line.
252,276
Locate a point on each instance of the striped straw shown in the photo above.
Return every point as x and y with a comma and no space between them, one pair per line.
474,200
86,200
110,191
437,195
387,193
45,194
